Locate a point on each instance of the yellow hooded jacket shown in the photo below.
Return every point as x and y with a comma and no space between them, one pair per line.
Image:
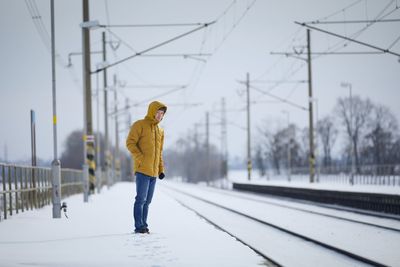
145,142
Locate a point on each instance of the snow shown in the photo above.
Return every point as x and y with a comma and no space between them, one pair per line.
370,242
240,176
99,233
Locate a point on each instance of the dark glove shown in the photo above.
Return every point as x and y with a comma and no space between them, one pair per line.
161,176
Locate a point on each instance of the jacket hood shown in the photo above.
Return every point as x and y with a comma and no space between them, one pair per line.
152,110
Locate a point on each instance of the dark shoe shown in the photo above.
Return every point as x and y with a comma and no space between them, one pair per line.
142,231
147,230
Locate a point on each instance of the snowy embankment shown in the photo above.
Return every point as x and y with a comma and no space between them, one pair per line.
240,176
99,233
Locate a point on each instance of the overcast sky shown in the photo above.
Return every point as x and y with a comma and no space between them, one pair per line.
240,41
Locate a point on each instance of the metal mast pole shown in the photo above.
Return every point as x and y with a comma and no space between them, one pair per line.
106,142
208,146
55,165
117,163
33,138
248,128
88,165
98,144
310,109
224,146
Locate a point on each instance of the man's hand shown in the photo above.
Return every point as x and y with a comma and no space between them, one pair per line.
161,176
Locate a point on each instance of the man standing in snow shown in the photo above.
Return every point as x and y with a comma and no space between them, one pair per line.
145,142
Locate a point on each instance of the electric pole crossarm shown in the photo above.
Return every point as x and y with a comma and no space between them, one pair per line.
150,25
187,55
145,101
279,98
77,54
348,39
154,47
152,86
288,54
279,81
352,21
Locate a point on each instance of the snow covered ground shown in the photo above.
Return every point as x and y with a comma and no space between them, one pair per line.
367,241
99,233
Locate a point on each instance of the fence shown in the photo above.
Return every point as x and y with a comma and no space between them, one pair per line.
25,188
385,175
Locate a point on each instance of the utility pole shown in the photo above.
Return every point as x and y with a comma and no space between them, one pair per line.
196,136
107,161
224,141
311,158
55,164
208,146
117,162
98,144
88,165
310,110
33,138
248,128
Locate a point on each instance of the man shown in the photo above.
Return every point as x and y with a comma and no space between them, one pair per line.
145,142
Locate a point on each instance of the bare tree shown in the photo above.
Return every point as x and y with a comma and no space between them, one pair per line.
354,114
274,149
260,162
72,156
327,132
381,137
189,159
281,146
304,150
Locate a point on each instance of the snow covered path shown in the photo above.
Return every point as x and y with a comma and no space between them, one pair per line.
99,233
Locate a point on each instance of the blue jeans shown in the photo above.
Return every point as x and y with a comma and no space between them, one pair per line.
144,193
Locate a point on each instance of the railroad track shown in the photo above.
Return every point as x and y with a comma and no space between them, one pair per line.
371,214
184,197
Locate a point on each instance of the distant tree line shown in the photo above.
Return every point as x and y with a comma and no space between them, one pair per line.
72,155
371,128
194,161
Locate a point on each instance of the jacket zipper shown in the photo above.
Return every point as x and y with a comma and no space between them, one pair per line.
155,144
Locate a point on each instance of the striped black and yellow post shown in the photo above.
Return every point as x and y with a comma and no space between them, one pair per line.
90,161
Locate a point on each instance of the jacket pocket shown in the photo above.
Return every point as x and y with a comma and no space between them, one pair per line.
139,161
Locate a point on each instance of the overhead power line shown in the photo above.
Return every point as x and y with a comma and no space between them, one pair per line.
279,98
348,39
352,21
235,24
146,100
154,47
342,10
45,36
379,17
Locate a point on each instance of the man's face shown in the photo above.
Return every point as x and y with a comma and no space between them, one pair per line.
159,115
